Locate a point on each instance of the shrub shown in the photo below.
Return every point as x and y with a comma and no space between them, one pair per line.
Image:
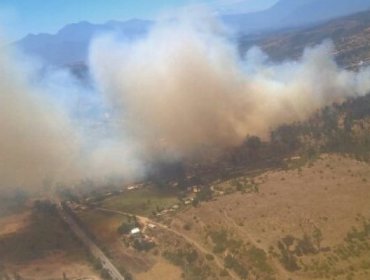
210,257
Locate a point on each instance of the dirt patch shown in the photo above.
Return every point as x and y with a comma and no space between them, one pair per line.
161,270
14,223
53,267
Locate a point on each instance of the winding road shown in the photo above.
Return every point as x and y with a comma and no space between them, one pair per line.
146,220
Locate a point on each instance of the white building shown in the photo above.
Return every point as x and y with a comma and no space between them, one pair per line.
135,231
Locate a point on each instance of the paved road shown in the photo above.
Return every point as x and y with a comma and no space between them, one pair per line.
91,246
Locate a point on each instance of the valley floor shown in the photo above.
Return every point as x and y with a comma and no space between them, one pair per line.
310,221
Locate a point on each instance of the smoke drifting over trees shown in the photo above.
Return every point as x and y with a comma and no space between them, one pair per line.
180,90
185,88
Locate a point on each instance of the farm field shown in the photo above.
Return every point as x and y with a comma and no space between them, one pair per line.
143,201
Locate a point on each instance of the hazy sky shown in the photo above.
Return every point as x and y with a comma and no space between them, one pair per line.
19,17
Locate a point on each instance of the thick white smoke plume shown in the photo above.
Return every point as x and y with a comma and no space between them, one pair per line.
52,131
185,88
177,93
37,142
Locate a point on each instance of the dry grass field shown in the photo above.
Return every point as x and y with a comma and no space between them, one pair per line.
161,270
325,201
308,221
53,267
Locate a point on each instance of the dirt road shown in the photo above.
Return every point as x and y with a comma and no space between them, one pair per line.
146,220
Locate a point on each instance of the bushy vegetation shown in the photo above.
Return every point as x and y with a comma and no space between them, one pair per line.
219,239
287,257
343,260
204,194
240,256
359,234
223,241
127,225
243,185
258,258
191,263
291,248
142,244
340,128
232,263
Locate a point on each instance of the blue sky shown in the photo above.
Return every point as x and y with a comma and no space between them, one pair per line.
19,17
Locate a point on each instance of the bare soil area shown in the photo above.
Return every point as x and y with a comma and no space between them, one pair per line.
36,245
53,267
13,223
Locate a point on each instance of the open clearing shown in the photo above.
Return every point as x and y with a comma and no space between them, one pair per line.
161,270
143,201
53,267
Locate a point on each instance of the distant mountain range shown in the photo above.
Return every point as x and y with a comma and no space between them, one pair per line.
350,34
70,44
295,13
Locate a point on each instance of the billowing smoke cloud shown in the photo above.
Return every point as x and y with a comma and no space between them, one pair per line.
184,87
54,129
37,142
180,92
